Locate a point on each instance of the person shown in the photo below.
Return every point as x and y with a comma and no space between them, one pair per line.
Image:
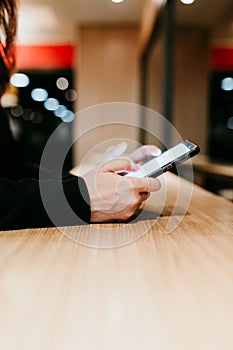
100,195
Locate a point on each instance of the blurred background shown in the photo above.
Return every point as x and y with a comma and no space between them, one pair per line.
172,56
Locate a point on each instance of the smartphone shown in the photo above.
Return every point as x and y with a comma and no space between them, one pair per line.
167,160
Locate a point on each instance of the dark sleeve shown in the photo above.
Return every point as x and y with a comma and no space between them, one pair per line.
21,204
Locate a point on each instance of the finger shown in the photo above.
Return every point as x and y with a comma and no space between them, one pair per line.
114,151
146,184
120,164
145,151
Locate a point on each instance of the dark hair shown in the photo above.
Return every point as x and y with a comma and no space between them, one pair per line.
8,27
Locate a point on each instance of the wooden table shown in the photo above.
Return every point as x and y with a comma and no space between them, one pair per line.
161,291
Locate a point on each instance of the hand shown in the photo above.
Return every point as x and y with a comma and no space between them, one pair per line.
137,156
116,151
115,197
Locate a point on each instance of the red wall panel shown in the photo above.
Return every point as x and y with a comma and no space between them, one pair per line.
44,56
222,57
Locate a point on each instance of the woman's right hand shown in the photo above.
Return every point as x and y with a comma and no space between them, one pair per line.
115,197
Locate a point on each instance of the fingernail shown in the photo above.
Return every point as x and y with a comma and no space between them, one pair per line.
155,153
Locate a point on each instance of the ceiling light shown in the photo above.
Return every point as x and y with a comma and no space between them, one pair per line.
227,84
187,2
117,1
51,104
60,111
62,83
68,117
9,100
71,95
19,80
39,95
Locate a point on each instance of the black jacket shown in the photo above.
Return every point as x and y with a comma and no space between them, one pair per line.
21,205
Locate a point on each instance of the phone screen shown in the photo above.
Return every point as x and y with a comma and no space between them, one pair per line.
178,153
173,153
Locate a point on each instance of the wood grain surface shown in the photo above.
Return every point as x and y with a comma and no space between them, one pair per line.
92,287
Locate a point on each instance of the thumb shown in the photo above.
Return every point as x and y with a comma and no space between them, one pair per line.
120,166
